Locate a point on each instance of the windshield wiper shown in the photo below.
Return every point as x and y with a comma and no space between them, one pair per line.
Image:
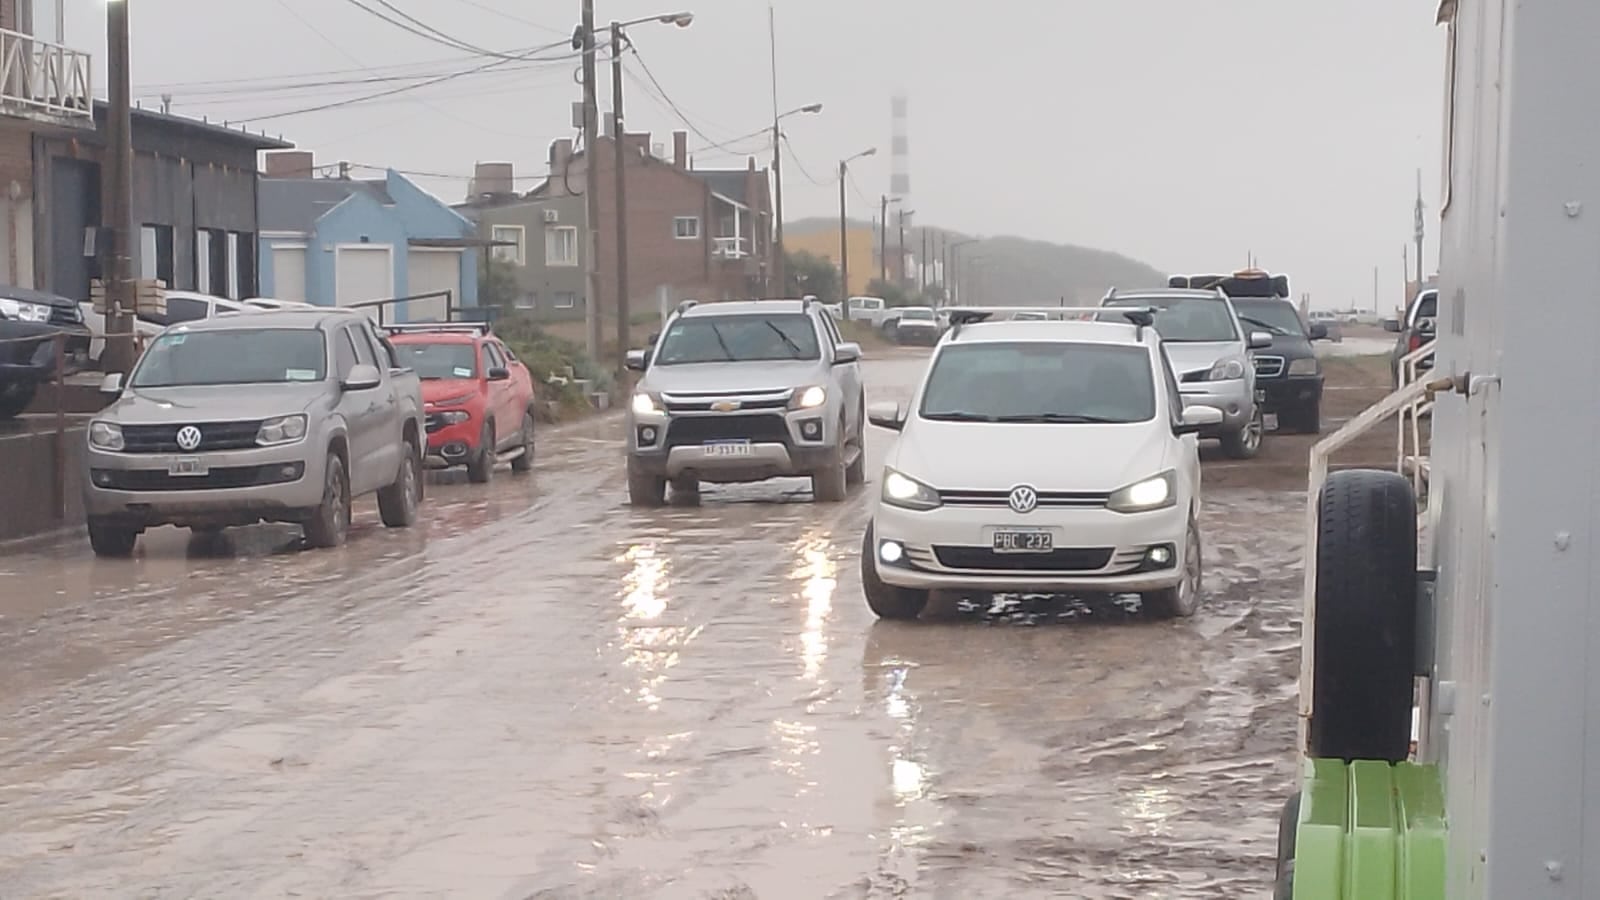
722,342
1267,325
958,415
789,341
1059,417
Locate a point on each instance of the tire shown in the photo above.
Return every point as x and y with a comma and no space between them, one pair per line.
644,489
856,473
1288,830
1307,419
1365,627
399,503
685,489
1283,888
1246,442
329,525
885,600
830,485
15,398
524,464
480,468
111,541
1183,600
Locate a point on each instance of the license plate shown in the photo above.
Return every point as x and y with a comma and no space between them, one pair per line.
1017,541
1269,421
728,448
187,466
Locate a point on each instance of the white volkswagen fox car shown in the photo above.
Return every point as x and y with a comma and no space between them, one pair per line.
1040,456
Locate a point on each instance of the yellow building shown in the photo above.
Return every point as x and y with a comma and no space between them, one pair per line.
862,244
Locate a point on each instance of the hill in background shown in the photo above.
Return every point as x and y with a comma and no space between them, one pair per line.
1013,271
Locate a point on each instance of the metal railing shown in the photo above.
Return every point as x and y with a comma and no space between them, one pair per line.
1410,457
41,76
729,247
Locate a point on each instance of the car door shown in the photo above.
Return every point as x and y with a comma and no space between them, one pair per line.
1188,449
507,419
847,376
520,386
374,451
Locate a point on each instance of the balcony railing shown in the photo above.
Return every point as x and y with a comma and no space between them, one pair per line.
42,78
730,248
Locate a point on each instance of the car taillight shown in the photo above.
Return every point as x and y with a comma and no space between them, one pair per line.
1416,340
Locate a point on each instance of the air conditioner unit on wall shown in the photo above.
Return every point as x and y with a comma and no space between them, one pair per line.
551,215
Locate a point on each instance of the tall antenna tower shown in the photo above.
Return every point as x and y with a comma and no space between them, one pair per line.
900,165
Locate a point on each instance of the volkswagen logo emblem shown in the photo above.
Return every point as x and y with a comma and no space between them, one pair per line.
189,439
1023,499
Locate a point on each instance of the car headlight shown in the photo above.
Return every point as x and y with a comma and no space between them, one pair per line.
810,398
105,436
282,430
907,492
24,311
1307,366
1226,370
454,416
646,404
1158,492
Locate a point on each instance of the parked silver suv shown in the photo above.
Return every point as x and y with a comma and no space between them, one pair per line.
1209,351
276,417
742,392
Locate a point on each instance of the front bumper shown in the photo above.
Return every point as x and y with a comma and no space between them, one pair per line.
1232,398
1290,391
240,487
916,334
451,444
22,358
735,447
1097,550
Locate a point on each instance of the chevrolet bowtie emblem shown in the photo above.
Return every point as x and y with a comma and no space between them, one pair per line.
725,405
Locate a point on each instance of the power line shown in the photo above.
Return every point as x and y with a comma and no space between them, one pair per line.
795,157
856,187
676,110
409,23
514,18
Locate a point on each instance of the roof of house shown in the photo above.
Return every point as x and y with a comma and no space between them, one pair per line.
292,204
727,182
197,126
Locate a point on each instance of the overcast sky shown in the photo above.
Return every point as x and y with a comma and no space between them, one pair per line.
1182,133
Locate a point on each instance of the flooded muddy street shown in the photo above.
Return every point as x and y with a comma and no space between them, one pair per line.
541,692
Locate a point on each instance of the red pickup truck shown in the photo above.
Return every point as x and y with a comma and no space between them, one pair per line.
477,396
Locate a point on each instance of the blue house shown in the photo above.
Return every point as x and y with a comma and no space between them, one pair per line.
342,241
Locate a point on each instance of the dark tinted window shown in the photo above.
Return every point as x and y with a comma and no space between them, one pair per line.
1039,381
739,338
1428,307
245,356
1184,319
1275,316
186,309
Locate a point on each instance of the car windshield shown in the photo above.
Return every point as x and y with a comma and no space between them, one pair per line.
434,362
237,356
913,313
1187,320
1428,307
1040,382
739,338
1275,316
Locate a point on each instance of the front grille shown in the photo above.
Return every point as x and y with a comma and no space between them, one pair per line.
1269,366
215,480
699,401
65,315
213,436
1065,559
758,429
1047,499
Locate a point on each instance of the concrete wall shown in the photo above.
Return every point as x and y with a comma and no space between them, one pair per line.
16,216
29,502
862,243
536,278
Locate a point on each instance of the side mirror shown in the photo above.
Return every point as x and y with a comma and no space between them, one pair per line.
846,353
1197,419
1391,325
499,373
362,378
886,414
1317,331
1261,340
638,360
111,384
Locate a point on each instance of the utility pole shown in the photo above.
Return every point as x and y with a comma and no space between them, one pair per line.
1420,231
780,261
883,238
119,285
1375,288
900,259
621,187
844,237
591,140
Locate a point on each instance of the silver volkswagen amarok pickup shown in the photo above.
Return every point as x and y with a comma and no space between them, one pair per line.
278,417
745,391
1209,351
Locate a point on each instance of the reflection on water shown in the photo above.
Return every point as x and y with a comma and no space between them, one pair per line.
910,780
652,649
1149,810
816,570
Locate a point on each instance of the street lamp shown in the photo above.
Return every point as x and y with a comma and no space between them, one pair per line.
844,227
900,261
777,186
952,260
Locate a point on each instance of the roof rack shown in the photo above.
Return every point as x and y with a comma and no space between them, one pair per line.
481,329
1140,317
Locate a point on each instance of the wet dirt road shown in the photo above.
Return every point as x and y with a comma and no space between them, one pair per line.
543,693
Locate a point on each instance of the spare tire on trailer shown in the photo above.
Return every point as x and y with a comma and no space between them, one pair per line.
1177,281
1365,629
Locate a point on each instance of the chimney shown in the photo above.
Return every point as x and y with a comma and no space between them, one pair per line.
494,178
680,149
290,164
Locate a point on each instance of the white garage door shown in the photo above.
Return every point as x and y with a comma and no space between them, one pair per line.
364,273
429,271
289,273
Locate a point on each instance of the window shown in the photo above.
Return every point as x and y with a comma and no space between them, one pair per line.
186,309
1174,393
1276,316
526,301
202,260
493,357
565,300
211,262
832,329
235,356
1040,382
155,252
244,264
739,338
561,246
1184,319
233,266
364,354
510,243
344,354
436,362
686,228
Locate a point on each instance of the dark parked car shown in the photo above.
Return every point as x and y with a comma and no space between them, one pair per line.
29,320
1288,373
1416,329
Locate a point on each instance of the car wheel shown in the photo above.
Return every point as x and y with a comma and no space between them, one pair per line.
398,503
524,462
886,600
830,484
1246,442
1288,830
1182,600
1364,638
686,489
329,525
480,468
112,541
645,489
15,398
